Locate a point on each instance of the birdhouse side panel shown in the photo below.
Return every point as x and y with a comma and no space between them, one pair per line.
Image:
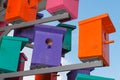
72,7
105,48
54,5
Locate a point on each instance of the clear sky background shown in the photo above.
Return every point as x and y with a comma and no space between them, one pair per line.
87,9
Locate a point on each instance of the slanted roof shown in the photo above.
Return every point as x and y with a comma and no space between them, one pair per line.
88,77
106,22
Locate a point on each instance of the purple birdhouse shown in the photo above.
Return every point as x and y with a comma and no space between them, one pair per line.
47,46
72,74
26,33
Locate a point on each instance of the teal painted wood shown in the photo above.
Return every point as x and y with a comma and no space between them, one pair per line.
66,46
10,48
87,77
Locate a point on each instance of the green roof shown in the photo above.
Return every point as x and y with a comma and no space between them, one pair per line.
67,26
89,77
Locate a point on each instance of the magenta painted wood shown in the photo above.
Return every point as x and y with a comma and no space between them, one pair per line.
71,6
3,24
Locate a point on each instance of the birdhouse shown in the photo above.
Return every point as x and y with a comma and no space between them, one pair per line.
27,32
21,66
10,48
22,10
49,76
47,45
72,74
88,77
60,6
94,38
3,24
66,46
22,60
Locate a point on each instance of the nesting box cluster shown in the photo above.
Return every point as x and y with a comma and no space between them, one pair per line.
51,42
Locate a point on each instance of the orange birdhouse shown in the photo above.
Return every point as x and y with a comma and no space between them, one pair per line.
94,38
24,10
49,76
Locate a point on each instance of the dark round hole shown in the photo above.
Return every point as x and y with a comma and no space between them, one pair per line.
49,42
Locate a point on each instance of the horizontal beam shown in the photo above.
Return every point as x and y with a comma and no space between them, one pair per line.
39,21
7,29
53,69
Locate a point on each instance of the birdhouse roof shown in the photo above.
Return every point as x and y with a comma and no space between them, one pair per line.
106,22
67,26
48,28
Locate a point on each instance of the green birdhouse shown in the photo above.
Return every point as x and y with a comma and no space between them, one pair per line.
66,46
10,48
88,77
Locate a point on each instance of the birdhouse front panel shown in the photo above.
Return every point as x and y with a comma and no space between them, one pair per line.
90,40
24,10
46,50
10,48
21,66
70,6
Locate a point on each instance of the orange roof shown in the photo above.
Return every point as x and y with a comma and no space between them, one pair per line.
106,22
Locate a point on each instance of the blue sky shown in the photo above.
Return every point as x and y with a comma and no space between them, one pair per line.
87,9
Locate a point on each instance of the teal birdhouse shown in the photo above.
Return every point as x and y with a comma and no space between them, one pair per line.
88,77
66,46
10,48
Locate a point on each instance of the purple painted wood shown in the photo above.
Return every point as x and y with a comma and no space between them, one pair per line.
27,32
23,58
72,74
47,46
39,15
